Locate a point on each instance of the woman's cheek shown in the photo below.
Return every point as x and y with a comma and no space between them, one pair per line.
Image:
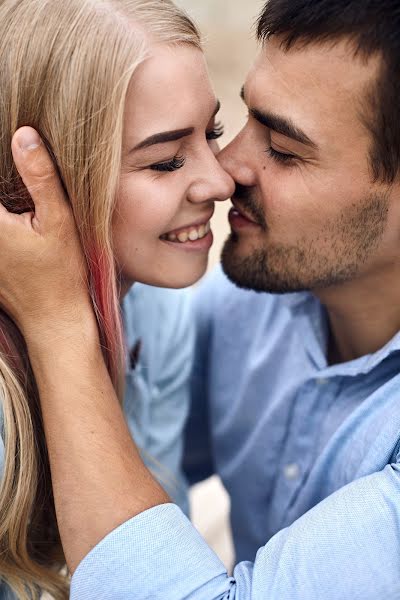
149,206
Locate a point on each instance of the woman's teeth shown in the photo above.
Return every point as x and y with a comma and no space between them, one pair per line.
192,234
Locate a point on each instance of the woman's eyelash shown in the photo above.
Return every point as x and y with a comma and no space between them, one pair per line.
215,133
178,161
280,156
171,165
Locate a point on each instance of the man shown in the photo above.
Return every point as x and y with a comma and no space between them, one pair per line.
301,389
297,389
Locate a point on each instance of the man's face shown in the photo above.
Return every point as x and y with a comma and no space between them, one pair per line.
307,213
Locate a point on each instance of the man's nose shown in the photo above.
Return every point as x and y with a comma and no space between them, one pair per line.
236,159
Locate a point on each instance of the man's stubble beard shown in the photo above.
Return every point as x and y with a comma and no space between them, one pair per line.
332,257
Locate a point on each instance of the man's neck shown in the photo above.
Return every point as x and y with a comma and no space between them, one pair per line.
363,315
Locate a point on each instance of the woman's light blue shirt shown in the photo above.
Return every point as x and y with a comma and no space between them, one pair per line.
160,330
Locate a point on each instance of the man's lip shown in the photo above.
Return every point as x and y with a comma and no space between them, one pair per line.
242,212
201,221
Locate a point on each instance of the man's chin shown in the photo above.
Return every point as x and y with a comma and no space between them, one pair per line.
253,270
246,271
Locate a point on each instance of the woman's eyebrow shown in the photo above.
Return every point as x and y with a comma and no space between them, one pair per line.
162,138
170,136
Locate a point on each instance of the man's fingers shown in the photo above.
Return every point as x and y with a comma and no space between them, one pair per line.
39,175
5,221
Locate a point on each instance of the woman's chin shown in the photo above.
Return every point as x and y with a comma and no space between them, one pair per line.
166,275
182,279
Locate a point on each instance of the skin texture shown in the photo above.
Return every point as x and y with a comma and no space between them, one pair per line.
169,91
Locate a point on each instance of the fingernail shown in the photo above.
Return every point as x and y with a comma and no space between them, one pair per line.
28,139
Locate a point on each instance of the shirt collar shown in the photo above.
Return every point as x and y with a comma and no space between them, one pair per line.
306,307
367,363
295,299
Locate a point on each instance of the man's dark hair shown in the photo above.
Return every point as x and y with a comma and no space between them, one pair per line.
374,28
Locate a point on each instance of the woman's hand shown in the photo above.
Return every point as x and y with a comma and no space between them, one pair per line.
42,267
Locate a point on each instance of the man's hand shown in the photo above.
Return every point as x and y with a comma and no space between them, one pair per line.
42,267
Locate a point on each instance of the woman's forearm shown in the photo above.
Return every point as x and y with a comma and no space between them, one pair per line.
99,479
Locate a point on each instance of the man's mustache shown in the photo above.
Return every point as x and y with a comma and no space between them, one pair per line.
244,198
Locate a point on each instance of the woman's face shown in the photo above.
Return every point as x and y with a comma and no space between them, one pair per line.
170,177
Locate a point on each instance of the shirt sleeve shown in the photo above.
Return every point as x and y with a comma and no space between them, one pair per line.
346,547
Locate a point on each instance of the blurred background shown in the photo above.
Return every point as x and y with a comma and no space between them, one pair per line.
229,35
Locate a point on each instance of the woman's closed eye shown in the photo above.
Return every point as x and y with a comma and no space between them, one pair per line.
170,165
177,162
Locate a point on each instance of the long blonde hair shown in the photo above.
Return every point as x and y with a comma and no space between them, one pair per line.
65,67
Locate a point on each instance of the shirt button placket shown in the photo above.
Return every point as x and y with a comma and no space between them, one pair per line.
291,471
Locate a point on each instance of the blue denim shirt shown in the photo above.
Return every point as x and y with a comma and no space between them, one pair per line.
159,335
308,452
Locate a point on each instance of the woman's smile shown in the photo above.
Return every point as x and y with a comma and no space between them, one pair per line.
192,238
192,233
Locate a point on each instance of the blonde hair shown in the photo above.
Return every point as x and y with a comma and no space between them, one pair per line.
65,70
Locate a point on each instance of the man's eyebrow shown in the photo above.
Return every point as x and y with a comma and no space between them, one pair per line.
281,125
170,136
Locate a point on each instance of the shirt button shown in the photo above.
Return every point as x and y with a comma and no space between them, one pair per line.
322,381
291,471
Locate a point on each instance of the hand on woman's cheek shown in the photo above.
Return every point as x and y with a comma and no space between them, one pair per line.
42,268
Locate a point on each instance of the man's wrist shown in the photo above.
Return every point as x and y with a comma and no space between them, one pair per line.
68,330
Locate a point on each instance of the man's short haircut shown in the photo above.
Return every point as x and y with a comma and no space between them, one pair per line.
373,26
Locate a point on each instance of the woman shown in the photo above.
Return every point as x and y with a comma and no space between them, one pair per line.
119,92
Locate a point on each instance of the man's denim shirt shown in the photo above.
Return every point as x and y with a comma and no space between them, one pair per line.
308,452
159,337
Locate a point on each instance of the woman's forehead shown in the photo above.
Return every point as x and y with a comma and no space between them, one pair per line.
170,89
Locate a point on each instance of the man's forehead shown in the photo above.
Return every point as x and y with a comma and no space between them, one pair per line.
311,82
313,64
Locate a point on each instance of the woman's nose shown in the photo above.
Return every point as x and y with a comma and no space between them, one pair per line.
214,183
